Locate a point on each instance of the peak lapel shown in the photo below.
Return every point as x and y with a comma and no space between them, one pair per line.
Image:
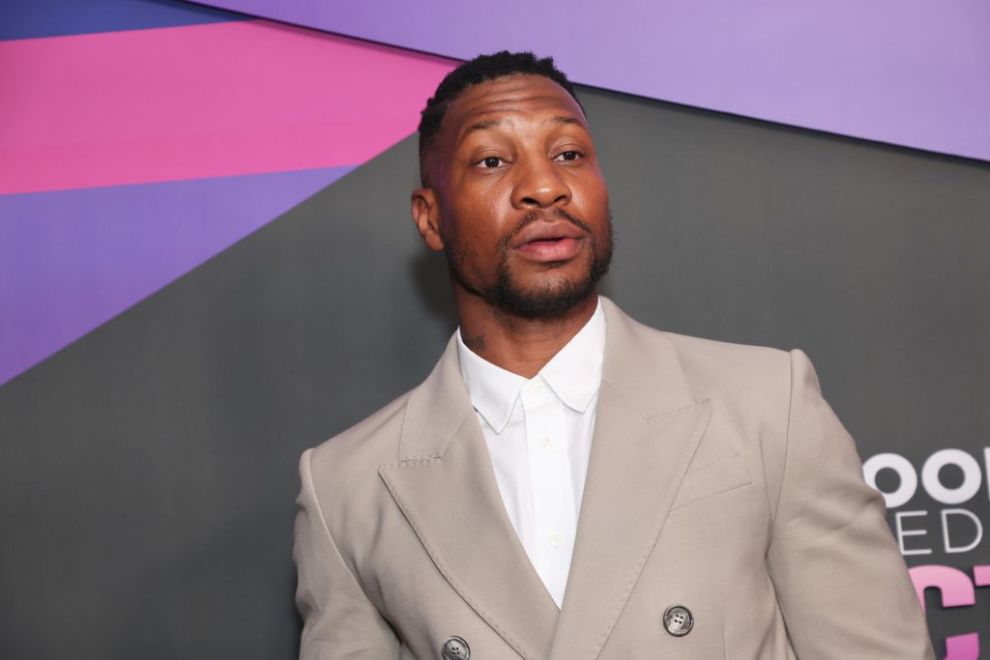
646,431
445,487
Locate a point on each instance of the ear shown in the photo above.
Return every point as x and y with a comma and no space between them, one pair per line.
426,215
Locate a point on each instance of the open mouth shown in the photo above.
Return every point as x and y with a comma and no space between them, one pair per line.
558,248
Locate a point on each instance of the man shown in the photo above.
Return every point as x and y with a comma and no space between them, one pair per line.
568,483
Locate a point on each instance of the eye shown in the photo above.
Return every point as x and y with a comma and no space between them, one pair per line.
568,155
491,162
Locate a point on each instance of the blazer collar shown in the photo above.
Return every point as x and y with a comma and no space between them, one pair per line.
640,363
445,487
647,428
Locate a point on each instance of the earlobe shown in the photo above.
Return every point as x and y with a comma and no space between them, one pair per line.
426,215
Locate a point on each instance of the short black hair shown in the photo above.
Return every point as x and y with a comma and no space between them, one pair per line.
478,70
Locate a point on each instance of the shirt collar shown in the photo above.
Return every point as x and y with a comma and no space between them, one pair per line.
574,374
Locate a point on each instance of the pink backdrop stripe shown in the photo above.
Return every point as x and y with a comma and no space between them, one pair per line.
907,72
200,101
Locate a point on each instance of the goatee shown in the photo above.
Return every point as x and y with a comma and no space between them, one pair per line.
552,301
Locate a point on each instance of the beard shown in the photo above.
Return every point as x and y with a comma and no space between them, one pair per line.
556,297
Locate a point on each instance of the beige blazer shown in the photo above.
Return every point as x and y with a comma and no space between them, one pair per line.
719,480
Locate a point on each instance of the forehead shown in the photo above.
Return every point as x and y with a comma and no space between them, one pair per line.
514,94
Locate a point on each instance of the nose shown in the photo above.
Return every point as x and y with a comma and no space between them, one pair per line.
540,185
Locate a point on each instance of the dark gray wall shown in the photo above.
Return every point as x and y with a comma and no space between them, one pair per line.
148,470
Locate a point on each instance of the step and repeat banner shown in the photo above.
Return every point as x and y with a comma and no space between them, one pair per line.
207,264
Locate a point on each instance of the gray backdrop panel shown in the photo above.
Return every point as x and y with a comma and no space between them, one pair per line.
149,469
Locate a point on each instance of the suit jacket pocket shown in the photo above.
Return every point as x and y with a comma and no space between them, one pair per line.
719,477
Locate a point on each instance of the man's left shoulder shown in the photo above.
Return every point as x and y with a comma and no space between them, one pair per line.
714,368
749,378
749,389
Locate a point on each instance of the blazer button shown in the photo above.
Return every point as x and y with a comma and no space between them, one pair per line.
678,620
455,648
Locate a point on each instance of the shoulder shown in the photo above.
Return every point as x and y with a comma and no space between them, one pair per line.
349,461
712,367
749,387
755,392
753,379
752,391
708,366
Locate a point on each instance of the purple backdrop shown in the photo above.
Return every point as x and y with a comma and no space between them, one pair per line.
906,72
78,258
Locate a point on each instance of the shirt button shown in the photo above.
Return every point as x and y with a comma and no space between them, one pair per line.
546,444
555,540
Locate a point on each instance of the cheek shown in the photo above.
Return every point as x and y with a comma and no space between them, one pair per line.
483,220
469,238
594,194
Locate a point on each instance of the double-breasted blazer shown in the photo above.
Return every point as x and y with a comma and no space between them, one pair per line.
719,481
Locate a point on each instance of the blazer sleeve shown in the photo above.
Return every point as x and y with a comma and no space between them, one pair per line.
339,622
842,584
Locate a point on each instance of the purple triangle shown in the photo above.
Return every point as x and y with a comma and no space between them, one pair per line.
71,260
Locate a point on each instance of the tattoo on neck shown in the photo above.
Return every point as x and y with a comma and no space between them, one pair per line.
476,343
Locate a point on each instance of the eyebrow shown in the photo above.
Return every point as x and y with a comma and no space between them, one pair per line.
489,123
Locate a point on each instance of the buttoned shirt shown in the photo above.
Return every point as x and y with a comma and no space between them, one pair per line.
538,432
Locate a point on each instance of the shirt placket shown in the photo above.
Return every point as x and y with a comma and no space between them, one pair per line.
554,514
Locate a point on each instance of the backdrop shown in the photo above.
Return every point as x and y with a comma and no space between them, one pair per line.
150,449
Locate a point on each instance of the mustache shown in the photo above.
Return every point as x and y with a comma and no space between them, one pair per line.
536,215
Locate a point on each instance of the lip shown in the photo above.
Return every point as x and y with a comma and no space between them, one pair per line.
541,230
544,241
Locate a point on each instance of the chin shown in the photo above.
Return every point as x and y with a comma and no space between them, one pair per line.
544,300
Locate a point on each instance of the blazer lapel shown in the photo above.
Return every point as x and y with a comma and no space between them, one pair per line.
646,431
445,487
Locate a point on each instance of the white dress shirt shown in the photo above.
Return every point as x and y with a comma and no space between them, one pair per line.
538,433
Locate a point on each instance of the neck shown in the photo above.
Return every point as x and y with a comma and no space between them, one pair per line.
517,344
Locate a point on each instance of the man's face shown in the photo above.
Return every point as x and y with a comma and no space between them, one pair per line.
520,206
